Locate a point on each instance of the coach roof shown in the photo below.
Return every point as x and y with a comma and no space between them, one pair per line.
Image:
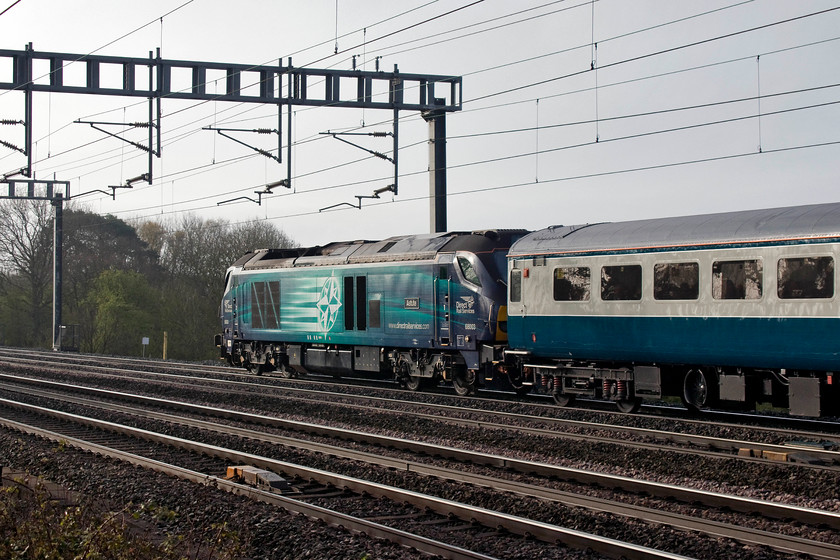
818,221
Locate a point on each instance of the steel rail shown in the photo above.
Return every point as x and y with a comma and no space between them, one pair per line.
333,518
782,543
698,444
656,489
826,455
515,524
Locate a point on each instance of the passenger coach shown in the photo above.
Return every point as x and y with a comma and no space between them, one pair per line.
721,309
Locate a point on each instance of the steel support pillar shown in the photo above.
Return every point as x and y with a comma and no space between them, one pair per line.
437,167
58,242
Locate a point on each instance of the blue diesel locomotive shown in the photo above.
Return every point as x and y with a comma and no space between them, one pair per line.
720,309
421,308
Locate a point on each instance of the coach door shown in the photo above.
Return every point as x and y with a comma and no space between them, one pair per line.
443,321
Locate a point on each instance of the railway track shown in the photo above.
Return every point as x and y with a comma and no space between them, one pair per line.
752,537
65,427
812,449
793,425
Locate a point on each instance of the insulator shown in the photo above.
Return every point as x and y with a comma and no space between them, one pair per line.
9,145
621,388
140,124
379,134
263,130
10,121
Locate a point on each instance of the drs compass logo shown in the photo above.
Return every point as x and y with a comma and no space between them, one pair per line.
328,305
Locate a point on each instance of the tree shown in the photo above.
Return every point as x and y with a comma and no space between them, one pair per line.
26,271
195,254
125,309
92,245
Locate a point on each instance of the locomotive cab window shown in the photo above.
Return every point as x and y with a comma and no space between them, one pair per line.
515,285
621,283
806,278
571,283
673,281
737,279
468,271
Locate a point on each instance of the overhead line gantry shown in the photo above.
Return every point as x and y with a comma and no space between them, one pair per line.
432,95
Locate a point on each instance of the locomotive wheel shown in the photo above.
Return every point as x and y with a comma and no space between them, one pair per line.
563,399
413,382
628,406
464,380
286,372
254,369
699,389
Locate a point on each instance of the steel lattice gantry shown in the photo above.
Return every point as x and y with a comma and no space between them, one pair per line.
152,78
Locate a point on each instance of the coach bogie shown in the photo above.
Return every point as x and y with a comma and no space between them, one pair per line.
566,381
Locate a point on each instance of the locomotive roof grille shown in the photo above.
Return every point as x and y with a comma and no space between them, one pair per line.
393,249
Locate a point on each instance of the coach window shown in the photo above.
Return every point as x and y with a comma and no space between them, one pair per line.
621,283
515,285
806,278
737,279
676,281
571,283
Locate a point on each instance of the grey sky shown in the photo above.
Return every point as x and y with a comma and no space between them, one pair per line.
652,58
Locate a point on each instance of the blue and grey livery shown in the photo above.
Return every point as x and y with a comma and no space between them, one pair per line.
736,307
421,308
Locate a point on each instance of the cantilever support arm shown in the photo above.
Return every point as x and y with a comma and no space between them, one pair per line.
359,197
112,194
260,151
118,137
371,152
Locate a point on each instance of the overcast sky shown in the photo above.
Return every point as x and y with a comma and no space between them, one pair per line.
669,122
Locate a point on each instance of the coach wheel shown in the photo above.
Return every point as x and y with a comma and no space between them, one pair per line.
699,389
464,381
563,399
254,369
628,406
